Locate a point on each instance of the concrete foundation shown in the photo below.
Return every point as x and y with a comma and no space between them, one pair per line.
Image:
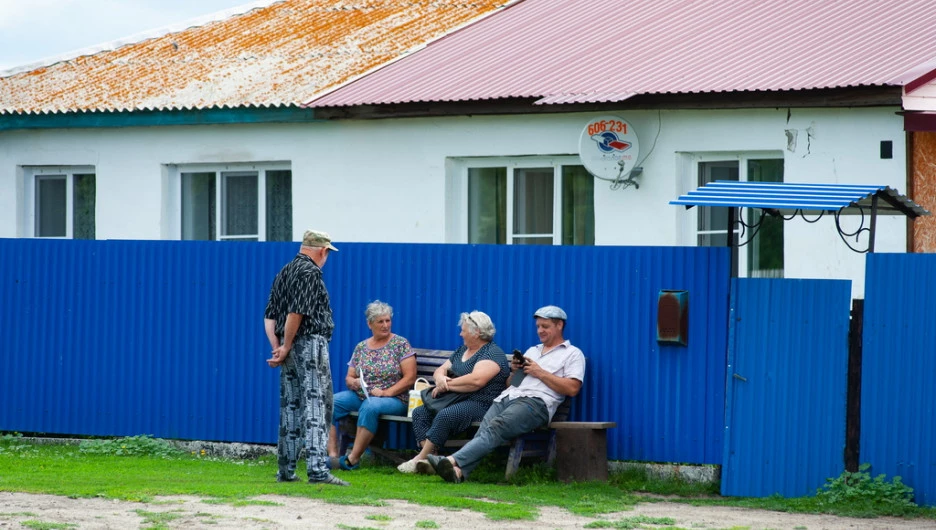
704,474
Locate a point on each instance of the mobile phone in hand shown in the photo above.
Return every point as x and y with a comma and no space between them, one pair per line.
519,358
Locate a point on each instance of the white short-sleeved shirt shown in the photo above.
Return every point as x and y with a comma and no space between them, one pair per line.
565,360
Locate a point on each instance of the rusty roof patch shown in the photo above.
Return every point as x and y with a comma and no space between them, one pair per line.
285,53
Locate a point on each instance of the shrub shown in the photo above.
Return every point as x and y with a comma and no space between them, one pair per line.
13,443
873,496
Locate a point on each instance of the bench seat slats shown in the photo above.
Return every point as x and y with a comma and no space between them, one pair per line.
582,425
404,419
552,425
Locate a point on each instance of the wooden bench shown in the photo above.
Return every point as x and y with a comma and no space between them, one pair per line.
581,446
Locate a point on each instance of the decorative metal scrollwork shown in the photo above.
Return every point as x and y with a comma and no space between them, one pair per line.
755,226
857,233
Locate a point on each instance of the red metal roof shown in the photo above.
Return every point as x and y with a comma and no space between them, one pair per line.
574,51
284,53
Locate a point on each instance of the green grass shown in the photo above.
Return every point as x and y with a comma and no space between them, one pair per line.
638,480
39,525
157,520
636,521
69,471
843,505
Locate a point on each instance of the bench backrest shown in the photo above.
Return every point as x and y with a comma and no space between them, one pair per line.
428,360
562,413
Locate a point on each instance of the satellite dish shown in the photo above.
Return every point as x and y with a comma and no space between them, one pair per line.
608,148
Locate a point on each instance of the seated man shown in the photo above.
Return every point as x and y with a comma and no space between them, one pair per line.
549,372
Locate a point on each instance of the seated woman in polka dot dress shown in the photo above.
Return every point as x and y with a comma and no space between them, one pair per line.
479,368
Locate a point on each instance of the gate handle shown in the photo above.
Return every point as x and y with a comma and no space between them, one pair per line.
736,376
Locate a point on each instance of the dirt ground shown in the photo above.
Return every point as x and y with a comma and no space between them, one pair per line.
292,512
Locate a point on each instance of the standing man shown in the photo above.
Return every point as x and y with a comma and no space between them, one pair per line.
298,322
548,373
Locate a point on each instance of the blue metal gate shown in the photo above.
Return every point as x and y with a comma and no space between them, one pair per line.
786,386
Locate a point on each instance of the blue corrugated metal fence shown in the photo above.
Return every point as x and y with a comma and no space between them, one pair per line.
898,428
165,338
131,337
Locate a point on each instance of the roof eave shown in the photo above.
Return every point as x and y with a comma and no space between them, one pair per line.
156,118
863,96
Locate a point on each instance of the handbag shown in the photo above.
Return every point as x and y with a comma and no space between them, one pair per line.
415,396
421,384
436,404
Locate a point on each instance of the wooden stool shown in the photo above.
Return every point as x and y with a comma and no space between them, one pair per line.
582,450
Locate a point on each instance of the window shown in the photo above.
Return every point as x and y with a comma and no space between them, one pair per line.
762,257
235,203
765,253
532,202
59,202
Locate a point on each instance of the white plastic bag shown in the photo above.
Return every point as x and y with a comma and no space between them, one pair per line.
415,395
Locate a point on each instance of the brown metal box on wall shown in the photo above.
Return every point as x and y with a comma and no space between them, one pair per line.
673,317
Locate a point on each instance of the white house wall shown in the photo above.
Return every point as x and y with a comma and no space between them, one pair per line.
385,180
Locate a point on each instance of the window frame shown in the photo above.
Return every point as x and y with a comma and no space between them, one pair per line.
31,177
457,217
222,208
221,172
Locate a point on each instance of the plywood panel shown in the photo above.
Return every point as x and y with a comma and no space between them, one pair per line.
923,160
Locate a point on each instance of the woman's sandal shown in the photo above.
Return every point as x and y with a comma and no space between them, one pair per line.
344,464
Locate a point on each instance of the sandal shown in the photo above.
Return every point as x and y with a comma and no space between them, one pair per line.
434,461
344,464
446,470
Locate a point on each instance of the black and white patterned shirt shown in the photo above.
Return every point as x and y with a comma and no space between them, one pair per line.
299,288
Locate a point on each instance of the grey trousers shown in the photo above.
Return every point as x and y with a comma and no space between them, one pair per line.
504,421
306,397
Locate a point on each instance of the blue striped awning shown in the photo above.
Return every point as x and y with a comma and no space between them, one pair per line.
792,196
